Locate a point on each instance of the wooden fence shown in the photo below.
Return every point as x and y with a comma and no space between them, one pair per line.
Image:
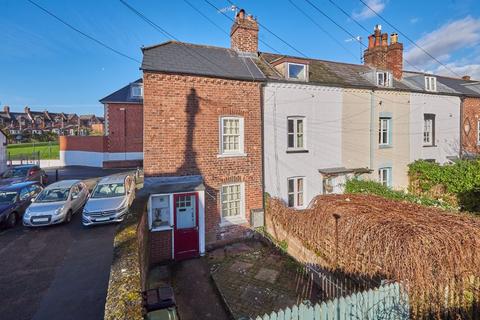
387,302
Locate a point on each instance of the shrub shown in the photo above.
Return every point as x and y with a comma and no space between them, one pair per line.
372,187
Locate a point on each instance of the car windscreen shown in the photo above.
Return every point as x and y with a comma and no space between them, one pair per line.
52,195
8,196
15,173
109,190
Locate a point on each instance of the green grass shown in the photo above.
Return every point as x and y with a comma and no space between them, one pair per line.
48,150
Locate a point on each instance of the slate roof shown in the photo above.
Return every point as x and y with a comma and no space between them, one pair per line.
186,58
123,95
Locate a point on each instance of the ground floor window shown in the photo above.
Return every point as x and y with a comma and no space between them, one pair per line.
159,214
232,201
385,176
295,192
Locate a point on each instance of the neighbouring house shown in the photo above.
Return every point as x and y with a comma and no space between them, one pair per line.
31,122
202,142
121,144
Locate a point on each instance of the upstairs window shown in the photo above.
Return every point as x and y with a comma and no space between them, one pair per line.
137,91
428,129
384,79
430,84
297,71
384,131
231,139
296,133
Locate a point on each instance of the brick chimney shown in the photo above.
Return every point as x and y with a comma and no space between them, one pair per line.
380,54
466,78
6,109
244,33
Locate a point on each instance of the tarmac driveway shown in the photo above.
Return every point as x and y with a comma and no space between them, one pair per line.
59,272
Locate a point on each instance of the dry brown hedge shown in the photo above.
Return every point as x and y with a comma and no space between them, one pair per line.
434,253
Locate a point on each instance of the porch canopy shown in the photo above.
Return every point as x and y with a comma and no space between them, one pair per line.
336,171
173,184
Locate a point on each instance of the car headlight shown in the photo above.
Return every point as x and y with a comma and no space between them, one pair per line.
59,210
27,214
86,212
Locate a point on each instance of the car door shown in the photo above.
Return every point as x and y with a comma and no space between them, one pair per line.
83,193
23,200
75,198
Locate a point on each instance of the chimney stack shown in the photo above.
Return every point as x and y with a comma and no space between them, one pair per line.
382,55
6,109
244,33
26,110
466,78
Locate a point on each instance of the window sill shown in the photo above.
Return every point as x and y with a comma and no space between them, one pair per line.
385,146
430,146
297,151
231,155
233,221
164,228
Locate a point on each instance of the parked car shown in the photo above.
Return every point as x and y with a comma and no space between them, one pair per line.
22,173
110,200
14,200
56,203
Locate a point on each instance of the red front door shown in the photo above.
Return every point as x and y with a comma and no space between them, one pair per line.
186,226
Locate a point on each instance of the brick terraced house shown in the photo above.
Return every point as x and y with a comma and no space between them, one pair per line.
202,141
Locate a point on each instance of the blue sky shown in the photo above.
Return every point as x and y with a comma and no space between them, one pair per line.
45,65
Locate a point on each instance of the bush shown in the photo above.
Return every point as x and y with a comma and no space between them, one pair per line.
459,181
372,187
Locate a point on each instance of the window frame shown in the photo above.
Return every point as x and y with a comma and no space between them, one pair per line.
429,117
237,219
170,222
295,192
132,91
386,79
295,133
430,83
241,140
305,71
382,143
478,132
381,175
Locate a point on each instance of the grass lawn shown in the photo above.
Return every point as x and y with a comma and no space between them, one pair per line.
48,150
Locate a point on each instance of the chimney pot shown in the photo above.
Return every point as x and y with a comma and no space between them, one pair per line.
27,109
6,109
384,39
393,38
466,78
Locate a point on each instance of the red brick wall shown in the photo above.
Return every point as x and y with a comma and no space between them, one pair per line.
125,127
160,246
181,122
471,114
79,143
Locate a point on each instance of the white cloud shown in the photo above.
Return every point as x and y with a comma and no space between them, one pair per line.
366,13
443,42
414,20
472,70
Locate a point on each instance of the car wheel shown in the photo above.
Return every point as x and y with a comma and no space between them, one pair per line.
68,218
12,220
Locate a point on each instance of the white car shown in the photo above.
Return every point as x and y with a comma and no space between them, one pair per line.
110,200
56,203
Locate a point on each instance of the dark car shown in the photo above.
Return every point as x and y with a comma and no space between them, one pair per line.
23,173
14,200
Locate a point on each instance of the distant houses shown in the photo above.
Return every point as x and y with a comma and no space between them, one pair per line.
30,123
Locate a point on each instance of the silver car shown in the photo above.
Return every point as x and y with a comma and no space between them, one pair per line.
56,203
110,200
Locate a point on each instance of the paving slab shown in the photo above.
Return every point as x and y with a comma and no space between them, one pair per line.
268,275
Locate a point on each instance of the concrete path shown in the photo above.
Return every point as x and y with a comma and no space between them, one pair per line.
195,293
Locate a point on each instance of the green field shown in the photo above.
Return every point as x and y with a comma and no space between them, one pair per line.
48,150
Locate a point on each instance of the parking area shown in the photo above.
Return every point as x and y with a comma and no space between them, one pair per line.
58,272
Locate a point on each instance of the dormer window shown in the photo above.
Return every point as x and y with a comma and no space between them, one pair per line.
296,71
137,91
430,83
384,79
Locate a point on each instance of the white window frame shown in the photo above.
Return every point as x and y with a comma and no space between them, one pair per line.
478,132
381,129
134,87
386,79
295,133
385,180
241,147
238,219
430,83
305,71
429,132
296,192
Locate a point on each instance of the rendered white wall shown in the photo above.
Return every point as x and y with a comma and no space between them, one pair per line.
95,159
447,126
322,109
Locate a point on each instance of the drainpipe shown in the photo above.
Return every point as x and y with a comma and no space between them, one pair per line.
262,134
460,149
372,129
